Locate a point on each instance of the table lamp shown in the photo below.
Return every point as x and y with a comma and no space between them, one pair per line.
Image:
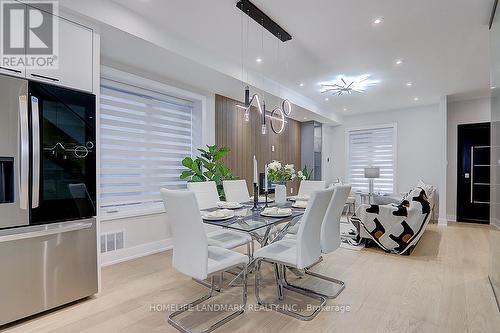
371,173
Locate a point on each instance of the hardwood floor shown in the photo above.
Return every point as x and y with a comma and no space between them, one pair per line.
442,287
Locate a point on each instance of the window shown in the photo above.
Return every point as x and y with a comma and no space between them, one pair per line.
372,147
144,137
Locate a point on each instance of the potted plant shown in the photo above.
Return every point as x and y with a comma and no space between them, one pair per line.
304,174
208,167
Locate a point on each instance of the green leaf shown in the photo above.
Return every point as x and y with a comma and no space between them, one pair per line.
224,170
196,166
185,174
198,178
187,162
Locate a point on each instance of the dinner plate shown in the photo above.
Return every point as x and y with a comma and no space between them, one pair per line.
294,205
299,198
227,216
276,215
222,205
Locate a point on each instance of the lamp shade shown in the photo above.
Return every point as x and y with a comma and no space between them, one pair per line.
372,172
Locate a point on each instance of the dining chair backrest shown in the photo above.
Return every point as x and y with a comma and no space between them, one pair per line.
306,187
190,253
206,194
308,235
330,229
236,190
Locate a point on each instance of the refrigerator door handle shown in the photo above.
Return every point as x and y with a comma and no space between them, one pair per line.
35,119
45,232
24,152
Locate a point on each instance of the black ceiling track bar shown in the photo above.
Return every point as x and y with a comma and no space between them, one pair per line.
493,12
261,18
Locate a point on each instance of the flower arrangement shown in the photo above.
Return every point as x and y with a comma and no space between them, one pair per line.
279,173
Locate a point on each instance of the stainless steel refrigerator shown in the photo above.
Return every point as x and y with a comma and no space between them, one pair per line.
48,250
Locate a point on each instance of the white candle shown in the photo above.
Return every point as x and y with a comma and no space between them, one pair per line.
265,179
255,181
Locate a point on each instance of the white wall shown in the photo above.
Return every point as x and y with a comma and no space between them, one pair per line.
419,144
463,112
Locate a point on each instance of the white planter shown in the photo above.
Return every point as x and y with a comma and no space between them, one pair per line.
280,195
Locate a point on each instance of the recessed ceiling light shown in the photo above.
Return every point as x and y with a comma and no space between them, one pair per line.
301,84
416,99
345,109
326,98
305,118
493,88
409,84
259,59
399,62
378,20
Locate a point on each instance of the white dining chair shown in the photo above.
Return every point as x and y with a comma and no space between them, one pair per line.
193,256
329,239
236,190
207,197
306,187
298,253
206,193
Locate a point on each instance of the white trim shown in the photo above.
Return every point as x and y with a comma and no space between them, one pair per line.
96,63
395,148
126,213
496,223
452,218
442,221
134,252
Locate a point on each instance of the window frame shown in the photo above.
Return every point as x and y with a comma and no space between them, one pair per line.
155,87
373,127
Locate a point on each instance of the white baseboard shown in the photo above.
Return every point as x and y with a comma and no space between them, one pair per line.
495,222
452,218
442,221
134,252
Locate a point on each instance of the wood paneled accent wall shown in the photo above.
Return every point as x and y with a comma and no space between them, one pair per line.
245,140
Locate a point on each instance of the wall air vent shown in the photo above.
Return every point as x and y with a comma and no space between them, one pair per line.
112,241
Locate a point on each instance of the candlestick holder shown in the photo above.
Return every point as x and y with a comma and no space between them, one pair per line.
255,196
266,193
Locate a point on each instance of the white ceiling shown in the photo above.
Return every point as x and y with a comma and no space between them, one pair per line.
444,44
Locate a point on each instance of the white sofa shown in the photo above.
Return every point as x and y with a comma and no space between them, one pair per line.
380,200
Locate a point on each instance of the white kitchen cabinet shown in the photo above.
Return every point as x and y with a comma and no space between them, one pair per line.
75,68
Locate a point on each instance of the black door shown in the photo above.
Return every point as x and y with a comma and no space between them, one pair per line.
64,183
473,182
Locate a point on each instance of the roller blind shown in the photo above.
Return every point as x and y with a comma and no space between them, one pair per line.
372,148
144,137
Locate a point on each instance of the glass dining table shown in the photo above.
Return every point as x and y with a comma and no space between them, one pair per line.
259,227
249,220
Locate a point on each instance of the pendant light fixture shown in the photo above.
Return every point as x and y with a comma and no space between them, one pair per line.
277,117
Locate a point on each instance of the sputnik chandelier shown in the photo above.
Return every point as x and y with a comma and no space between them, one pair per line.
277,116
345,85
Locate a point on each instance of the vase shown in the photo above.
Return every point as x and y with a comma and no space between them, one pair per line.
280,194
